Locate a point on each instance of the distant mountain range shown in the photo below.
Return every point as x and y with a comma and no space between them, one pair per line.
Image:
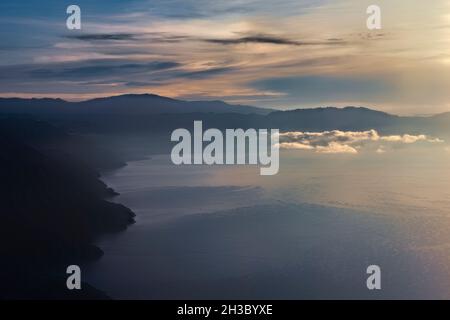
130,104
132,113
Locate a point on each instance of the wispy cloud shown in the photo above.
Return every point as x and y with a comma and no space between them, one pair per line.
206,73
269,39
103,36
99,68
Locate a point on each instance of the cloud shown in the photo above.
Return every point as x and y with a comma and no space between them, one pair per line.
103,36
100,76
336,147
349,142
154,37
98,68
268,39
381,150
407,138
326,137
206,73
108,75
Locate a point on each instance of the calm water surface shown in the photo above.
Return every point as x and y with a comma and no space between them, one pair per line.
308,232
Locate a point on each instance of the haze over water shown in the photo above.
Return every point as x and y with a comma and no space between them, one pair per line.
309,232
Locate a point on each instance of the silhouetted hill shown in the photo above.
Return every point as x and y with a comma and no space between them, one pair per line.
440,122
52,208
330,118
54,140
350,118
132,113
130,104
58,198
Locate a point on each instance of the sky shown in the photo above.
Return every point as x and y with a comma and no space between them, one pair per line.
282,54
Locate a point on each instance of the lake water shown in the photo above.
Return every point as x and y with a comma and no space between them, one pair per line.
309,232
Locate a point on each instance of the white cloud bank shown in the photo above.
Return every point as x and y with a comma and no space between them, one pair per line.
349,142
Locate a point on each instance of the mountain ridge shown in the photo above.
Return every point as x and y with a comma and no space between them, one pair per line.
190,106
147,113
135,103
